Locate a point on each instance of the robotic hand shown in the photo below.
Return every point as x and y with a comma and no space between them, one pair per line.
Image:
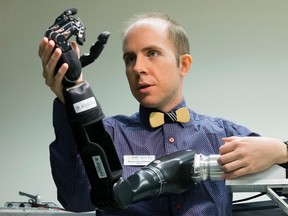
64,27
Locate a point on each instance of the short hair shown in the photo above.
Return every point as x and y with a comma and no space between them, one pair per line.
176,33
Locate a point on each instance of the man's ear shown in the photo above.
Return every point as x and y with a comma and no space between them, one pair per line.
185,63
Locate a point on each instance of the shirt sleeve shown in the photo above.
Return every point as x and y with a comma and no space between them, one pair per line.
73,187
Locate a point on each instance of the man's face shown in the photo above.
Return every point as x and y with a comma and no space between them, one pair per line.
151,67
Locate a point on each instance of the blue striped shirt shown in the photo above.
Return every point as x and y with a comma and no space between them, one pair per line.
132,135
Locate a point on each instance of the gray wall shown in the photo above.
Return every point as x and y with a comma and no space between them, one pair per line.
240,53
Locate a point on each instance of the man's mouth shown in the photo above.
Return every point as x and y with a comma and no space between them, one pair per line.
143,86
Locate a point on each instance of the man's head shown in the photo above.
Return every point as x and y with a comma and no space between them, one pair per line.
175,32
156,56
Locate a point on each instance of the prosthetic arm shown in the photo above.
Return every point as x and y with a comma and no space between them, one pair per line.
96,148
84,112
169,175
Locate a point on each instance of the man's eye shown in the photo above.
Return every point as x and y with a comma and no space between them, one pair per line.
153,53
128,59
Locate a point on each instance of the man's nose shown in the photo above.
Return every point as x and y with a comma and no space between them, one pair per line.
140,65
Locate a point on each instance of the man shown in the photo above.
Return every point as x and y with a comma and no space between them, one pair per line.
156,56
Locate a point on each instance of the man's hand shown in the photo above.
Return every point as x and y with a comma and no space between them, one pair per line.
49,58
246,155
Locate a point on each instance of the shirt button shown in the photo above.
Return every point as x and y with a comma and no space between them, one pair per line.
171,139
178,206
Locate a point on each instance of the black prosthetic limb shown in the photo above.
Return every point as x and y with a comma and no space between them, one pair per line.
169,175
64,27
164,176
96,148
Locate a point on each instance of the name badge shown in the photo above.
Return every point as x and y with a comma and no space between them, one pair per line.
138,160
